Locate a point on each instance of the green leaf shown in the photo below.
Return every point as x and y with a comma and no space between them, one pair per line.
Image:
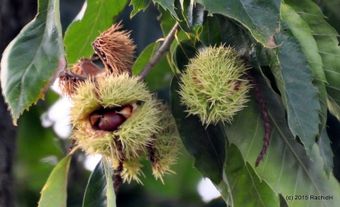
212,30
160,75
206,145
80,34
295,82
325,38
167,23
304,35
219,29
328,45
260,17
95,194
167,5
246,184
32,58
99,189
331,9
54,193
138,5
184,51
286,167
304,19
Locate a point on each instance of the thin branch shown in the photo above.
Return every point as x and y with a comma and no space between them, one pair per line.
160,52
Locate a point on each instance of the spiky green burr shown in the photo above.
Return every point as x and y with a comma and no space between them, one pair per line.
147,124
107,92
214,85
166,146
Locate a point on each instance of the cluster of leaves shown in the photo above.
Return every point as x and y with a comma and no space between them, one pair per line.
293,52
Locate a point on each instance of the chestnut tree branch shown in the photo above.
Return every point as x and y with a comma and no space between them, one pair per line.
160,52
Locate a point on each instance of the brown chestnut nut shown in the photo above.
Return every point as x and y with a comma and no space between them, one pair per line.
110,121
106,120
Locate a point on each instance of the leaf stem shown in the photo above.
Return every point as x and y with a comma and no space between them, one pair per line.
117,174
160,52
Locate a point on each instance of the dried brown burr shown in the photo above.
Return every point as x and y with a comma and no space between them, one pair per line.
116,49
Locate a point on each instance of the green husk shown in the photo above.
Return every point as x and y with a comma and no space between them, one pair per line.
150,125
166,146
214,86
112,91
